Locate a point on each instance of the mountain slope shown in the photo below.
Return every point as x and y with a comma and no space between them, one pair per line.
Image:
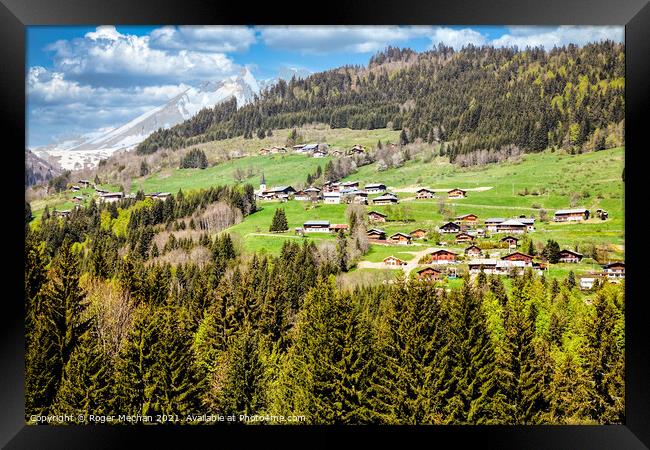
37,170
87,150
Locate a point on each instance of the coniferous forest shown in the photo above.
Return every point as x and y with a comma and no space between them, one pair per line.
111,329
564,97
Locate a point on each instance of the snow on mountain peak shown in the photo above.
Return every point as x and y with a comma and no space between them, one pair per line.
88,149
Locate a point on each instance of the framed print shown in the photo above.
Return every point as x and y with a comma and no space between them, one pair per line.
379,220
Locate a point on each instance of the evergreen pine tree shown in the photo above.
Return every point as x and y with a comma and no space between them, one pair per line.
471,382
412,356
603,359
521,377
331,360
86,383
59,325
156,372
244,384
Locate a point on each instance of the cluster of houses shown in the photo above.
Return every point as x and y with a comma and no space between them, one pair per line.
426,193
314,150
105,196
330,193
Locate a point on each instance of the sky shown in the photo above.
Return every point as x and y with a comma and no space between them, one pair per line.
82,79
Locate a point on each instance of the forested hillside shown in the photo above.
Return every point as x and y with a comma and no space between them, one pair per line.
570,97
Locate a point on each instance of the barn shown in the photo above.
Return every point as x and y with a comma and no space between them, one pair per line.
571,215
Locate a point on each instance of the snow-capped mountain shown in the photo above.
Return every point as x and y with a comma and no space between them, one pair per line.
87,150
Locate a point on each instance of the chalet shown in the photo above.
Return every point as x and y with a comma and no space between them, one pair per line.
429,274
518,256
424,193
394,261
375,188
443,256
332,198
571,215
506,267
309,194
492,222
161,195
350,185
614,271
376,216
376,234
309,148
587,283
480,232
400,238
331,186
301,196
101,191
449,227
358,197
568,256
529,222
418,233
511,226
488,266
388,199
512,241
467,220
336,227
84,183
316,226
474,251
75,188
111,197
456,193
298,148
61,213
357,150
277,193
464,237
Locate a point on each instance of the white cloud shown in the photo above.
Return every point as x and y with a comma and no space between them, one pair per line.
59,106
548,37
327,39
456,38
107,56
203,38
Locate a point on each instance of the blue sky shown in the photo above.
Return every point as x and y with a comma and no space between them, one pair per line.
84,78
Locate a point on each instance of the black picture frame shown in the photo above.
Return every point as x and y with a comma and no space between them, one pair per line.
15,15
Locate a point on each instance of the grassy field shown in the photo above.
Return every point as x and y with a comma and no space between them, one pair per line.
279,169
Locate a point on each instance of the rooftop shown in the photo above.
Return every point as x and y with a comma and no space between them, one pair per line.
513,223
325,223
571,211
